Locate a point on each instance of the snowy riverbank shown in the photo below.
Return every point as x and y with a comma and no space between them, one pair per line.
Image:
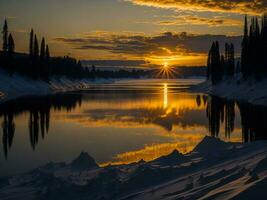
213,170
249,91
15,86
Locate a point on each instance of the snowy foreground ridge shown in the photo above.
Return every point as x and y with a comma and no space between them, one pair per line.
213,170
15,86
249,91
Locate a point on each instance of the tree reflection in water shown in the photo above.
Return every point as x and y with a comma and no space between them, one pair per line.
39,115
253,118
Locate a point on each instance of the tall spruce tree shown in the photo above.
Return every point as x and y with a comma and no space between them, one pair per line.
231,61
31,45
47,52
42,50
5,36
36,47
11,44
227,57
264,43
209,64
245,51
214,63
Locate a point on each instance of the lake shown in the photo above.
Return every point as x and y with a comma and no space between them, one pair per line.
120,123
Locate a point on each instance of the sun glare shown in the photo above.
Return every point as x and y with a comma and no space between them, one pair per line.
165,71
166,65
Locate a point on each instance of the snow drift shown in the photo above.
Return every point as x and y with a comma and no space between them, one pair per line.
240,173
250,91
15,86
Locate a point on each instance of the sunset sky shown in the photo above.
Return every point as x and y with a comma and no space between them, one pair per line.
159,31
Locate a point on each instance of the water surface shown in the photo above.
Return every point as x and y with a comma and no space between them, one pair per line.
119,123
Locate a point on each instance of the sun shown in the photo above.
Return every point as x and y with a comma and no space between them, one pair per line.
166,65
165,71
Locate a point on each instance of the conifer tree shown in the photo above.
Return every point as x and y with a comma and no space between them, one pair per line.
42,50
47,52
36,47
5,36
209,65
31,45
231,61
245,50
264,43
214,63
11,44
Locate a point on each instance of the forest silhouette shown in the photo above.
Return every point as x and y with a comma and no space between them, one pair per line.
39,64
252,63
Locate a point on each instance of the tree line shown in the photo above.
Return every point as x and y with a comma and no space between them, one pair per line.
253,61
38,63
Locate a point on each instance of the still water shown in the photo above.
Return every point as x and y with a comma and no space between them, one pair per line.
119,123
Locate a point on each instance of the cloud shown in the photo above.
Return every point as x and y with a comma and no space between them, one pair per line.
195,20
227,6
141,45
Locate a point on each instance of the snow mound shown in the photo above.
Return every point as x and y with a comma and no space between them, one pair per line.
212,146
174,158
260,167
84,162
250,91
15,86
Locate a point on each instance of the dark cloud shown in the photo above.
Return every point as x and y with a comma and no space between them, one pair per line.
167,43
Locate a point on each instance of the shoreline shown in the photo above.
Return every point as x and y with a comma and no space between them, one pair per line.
16,86
248,91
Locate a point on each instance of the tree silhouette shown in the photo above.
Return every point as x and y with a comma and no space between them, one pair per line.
5,36
47,53
253,55
11,44
36,47
39,63
31,45
229,63
245,50
8,132
42,50
215,70
254,48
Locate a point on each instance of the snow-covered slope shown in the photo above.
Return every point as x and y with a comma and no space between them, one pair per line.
250,91
235,171
16,86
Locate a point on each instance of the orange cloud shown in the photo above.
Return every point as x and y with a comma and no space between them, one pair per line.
227,6
194,20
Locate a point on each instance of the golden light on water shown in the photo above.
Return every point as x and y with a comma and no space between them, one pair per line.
165,94
150,152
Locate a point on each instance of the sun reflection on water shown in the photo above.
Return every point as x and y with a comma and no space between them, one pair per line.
165,94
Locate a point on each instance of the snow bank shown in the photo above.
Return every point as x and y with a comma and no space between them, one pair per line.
249,91
175,158
84,162
212,146
242,174
15,86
